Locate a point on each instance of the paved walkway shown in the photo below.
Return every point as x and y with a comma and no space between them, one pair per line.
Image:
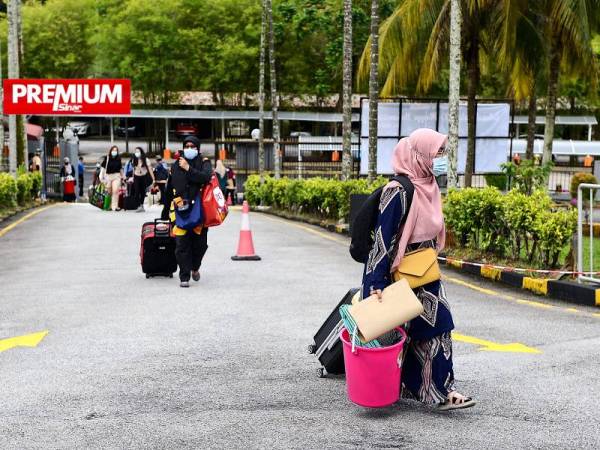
136,363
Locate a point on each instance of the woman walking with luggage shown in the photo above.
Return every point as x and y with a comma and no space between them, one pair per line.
143,176
189,174
427,372
113,170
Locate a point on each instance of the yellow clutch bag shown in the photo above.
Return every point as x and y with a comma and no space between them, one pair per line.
418,268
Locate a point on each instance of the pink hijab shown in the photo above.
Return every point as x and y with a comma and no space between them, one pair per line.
413,157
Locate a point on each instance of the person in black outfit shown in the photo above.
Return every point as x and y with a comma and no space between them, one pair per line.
189,174
143,176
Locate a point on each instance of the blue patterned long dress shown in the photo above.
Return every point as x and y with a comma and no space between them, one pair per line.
427,373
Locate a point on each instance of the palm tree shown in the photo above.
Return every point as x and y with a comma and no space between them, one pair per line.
274,98
522,55
261,95
454,92
567,27
373,89
414,42
347,93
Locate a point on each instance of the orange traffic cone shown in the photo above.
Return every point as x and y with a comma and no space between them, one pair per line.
245,251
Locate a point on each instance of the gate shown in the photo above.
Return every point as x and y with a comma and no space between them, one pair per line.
589,191
51,161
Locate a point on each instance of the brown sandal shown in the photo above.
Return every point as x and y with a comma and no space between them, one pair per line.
456,401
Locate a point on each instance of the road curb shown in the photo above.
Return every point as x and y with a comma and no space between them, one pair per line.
568,291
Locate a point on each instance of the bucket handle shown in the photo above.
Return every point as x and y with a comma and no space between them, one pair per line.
354,339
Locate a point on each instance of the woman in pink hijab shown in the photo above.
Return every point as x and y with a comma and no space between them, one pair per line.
427,373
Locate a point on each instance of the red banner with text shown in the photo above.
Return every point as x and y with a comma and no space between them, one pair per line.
67,96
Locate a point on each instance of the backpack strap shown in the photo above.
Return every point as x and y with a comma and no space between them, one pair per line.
409,188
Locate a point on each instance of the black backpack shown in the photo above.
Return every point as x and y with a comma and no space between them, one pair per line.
363,227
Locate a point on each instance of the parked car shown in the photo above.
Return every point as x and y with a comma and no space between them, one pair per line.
131,130
79,128
300,133
184,129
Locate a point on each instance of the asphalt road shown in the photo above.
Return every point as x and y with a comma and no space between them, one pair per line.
136,363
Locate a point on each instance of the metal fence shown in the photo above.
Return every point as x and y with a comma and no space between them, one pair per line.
587,215
298,159
51,162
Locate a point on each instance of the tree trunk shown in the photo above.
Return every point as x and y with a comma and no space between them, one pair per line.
13,72
531,122
551,98
22,154
454,93
261,96
274,97
373,89
347,93
473,81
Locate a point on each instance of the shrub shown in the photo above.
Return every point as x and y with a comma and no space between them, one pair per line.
36,186
24,188
326,198
8,191
527,176
579,178
497,180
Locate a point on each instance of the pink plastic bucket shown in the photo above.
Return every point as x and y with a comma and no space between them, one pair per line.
373,374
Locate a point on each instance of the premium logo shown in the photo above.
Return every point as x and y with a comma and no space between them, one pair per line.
67,97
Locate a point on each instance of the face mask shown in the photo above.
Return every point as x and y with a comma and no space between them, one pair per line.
138,154
440,166
190,153
113,153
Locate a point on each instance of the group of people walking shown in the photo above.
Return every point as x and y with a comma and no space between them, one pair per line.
141,176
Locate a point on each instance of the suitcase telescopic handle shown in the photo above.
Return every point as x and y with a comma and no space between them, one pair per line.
161,233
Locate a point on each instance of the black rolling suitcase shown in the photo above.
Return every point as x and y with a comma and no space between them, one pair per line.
157,252
327,345
129,201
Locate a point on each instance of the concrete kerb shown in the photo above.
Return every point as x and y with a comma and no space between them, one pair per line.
568,291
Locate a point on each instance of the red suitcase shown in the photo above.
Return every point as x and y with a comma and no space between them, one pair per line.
157,252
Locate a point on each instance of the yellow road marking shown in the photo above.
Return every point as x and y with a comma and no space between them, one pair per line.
573,310
489,346
305,228
6,229
27,340
471,286
536,304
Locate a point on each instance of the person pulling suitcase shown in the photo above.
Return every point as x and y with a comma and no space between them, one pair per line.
189,174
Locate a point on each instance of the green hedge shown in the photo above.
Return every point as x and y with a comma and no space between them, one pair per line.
579,178
324,198
513,225
25,188
8,191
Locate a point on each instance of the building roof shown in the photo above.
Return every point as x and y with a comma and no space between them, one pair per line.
231,115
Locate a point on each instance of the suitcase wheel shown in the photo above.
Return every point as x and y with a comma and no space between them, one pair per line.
321,372
312,348
171,276
147,276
